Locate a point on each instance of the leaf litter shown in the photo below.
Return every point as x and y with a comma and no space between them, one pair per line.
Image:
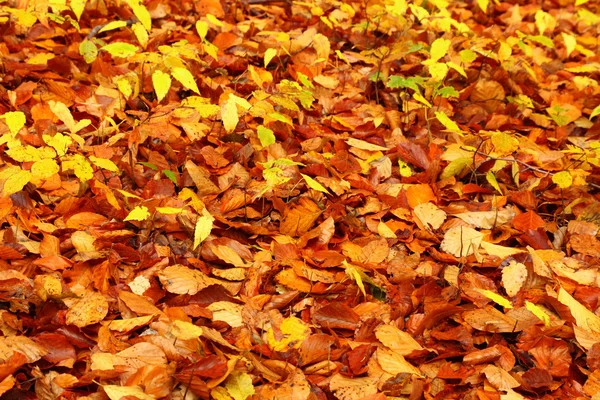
300,200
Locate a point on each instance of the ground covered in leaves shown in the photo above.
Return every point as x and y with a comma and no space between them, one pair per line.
298,200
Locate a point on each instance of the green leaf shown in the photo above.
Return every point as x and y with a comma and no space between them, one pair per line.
447,91
467,56
161,83
265,135
186,78
313,184
88,51
120,49
139,213
563,179
447,122
171,175
545,40
15,121
149,165
398,81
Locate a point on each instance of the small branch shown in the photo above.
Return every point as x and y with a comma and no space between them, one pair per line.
523,163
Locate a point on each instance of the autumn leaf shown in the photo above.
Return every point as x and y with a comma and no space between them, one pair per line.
139,213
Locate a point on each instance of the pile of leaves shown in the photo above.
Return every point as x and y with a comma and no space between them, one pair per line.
299,199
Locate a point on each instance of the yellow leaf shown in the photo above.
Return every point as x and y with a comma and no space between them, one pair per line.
563,179
116,392
483,4
457,68
570,42
504,143
77,6
30,153
419,97
438,71
185,330
269,54
16,182
239,385
63,113
212,19
544,21
204,226
448,123
356,275
385,231
202,28
139,213
229,115
170,210
89,310
161,83
104,163
128,195
44,169
82,169
595,112
456,167
59,142
439,48
293,332
538,312
113,25
15,121
186,78
141,12
313,184
141,34
491,178
120,49
496,298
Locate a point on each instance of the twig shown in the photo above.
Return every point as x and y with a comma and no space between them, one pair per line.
523,163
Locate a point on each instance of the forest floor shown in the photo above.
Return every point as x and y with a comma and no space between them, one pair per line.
319,199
